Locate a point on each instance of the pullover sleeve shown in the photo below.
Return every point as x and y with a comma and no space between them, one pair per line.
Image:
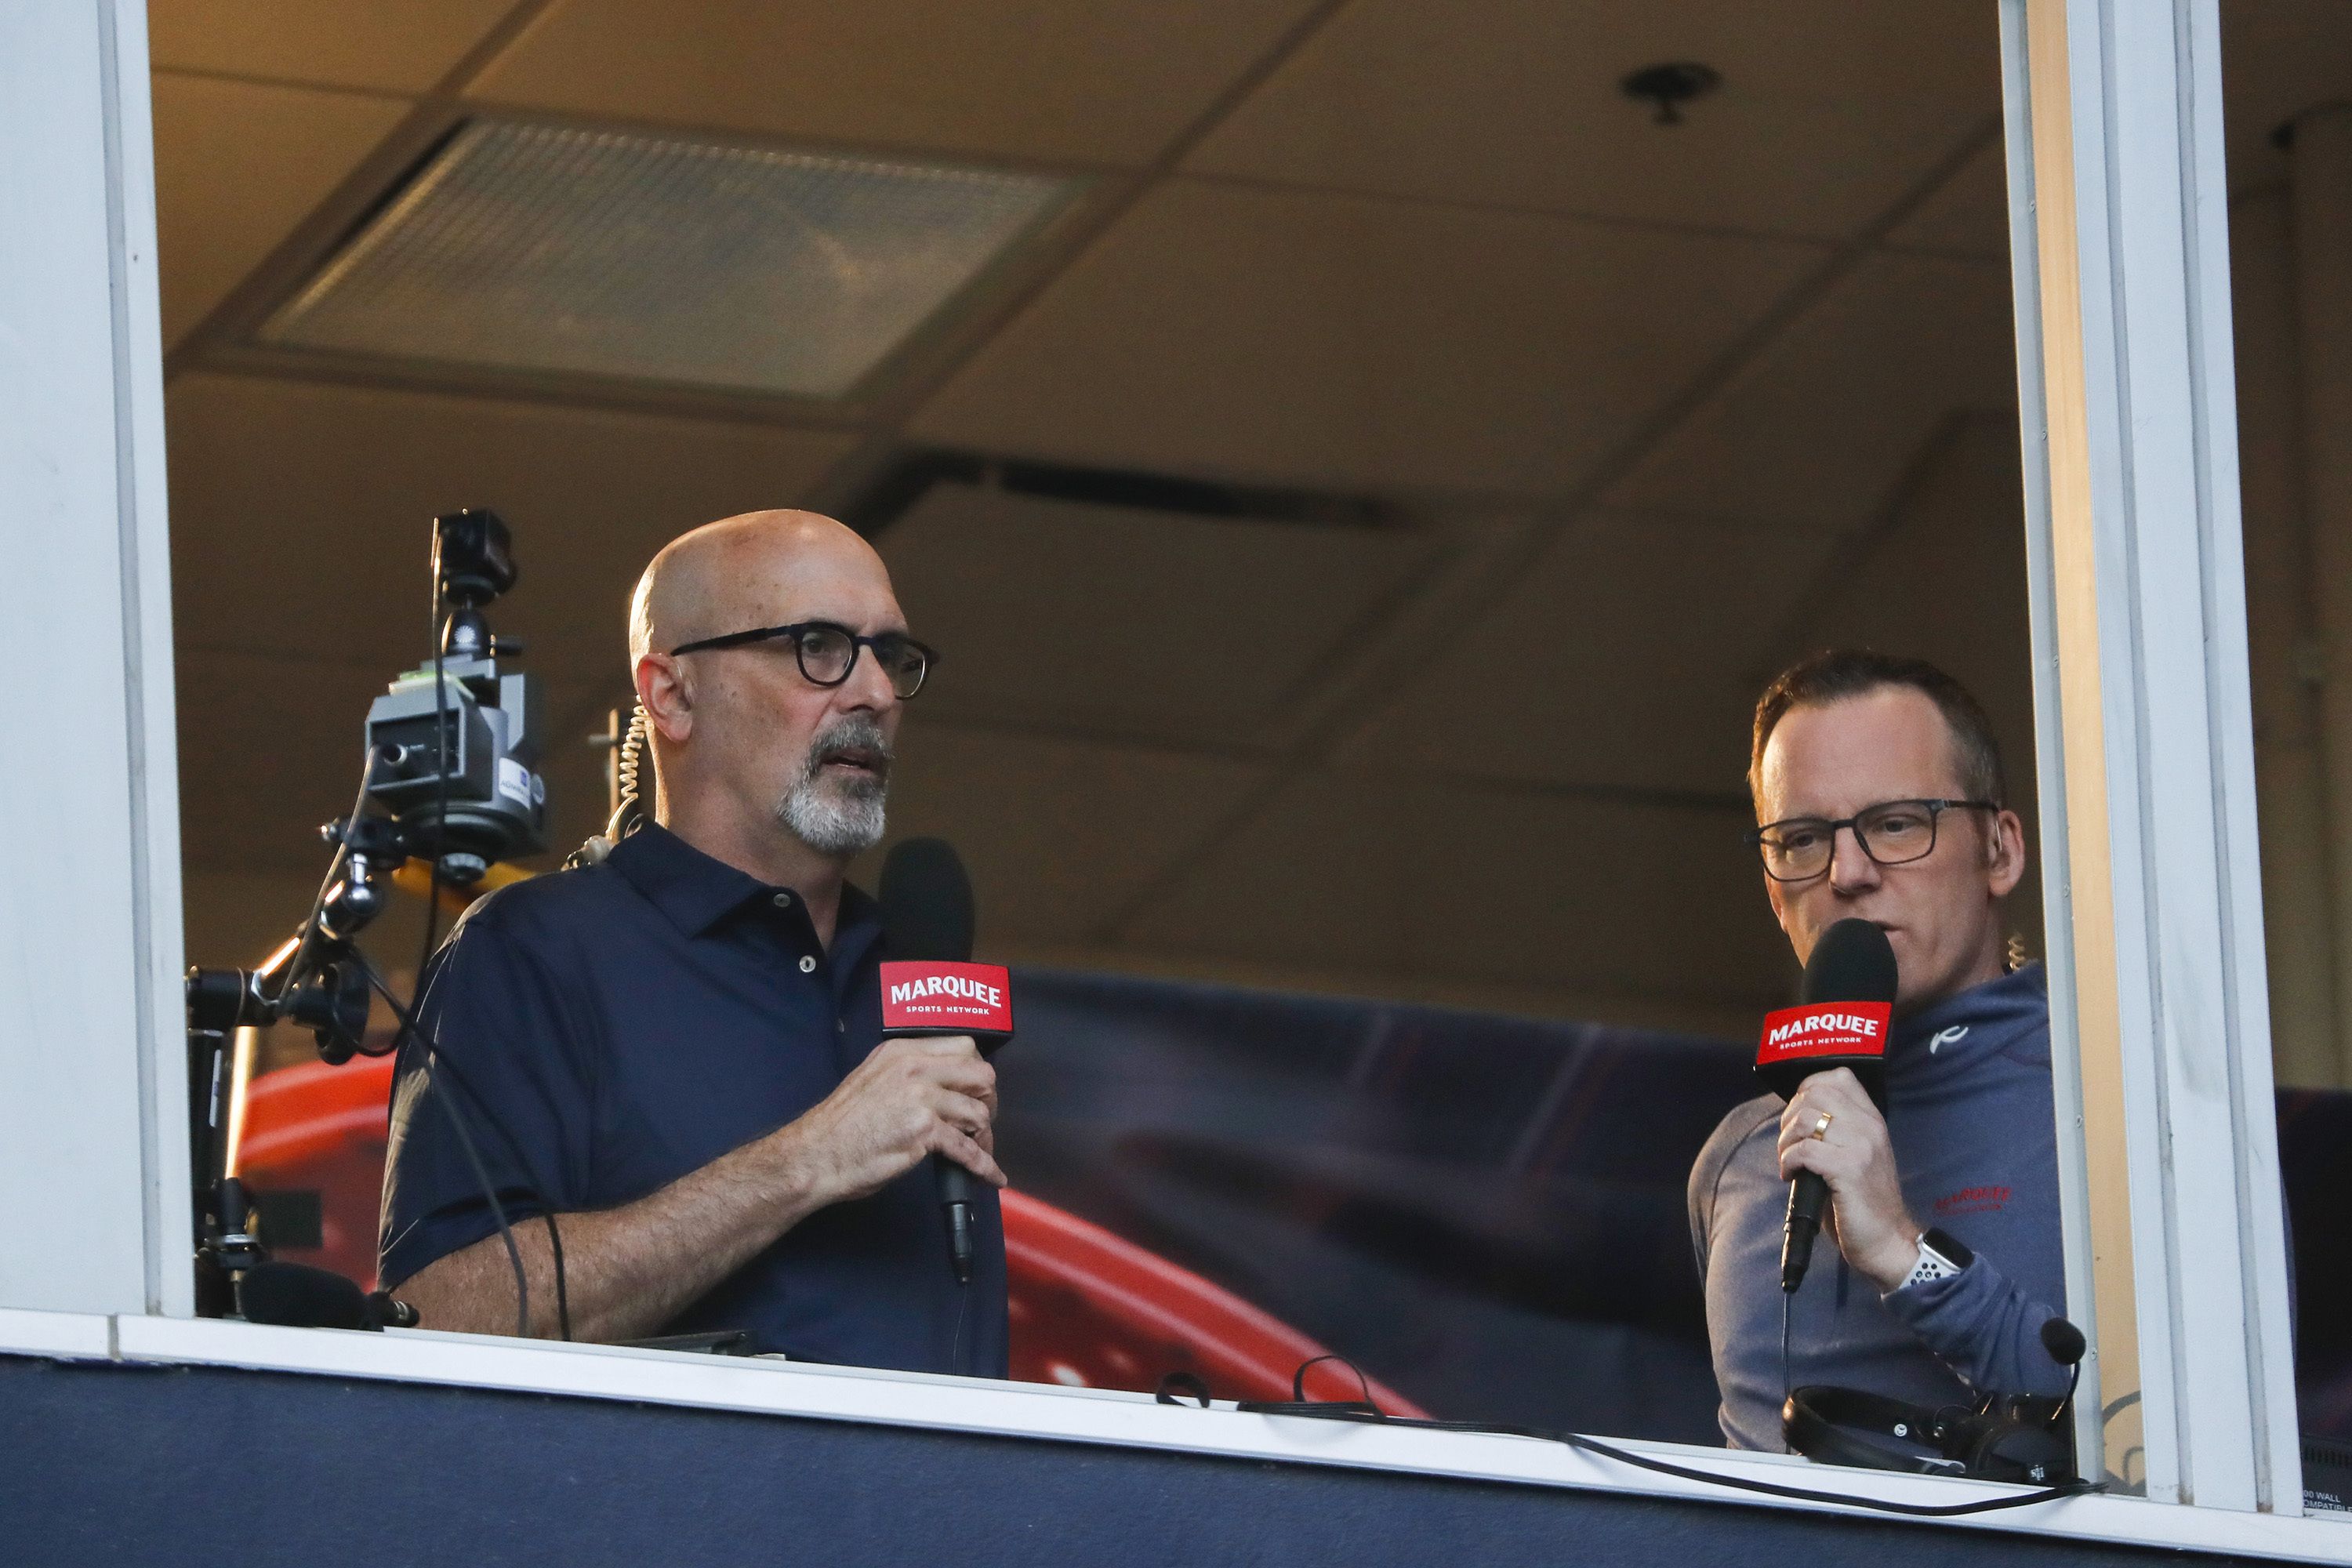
1983,1326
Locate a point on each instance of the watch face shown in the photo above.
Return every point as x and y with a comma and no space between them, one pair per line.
1950,1247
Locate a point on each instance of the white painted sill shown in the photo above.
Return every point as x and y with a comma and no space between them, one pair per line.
984,1406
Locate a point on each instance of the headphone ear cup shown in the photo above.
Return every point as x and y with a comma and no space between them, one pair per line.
2015,1449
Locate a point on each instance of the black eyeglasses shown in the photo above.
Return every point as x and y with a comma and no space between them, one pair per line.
1892,833
828,652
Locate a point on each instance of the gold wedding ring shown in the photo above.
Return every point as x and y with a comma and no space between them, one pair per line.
1822,1128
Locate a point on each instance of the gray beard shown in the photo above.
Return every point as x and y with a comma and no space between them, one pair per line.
838,816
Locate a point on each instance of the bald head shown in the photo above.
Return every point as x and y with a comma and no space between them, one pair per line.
752,570
755,761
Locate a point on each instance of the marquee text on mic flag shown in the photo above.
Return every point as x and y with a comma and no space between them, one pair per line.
1825,1029
929,996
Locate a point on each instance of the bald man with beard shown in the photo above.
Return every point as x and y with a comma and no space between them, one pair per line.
671,1062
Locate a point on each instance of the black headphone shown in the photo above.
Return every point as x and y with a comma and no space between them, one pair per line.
2022,1438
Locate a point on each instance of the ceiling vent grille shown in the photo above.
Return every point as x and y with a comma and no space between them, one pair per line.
552,249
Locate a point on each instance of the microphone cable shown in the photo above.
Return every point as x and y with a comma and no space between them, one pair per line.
1788,1380
1365,1412
955,1345
434,1056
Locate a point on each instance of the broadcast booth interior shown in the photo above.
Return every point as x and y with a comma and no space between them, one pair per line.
1278,776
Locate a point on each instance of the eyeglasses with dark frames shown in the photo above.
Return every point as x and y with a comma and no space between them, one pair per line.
828,651
1892,833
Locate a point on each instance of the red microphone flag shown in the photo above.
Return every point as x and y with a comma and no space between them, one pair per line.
936,997
1823,1029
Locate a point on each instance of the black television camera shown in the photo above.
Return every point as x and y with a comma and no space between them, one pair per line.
451,768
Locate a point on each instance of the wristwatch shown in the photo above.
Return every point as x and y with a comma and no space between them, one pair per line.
1941,1255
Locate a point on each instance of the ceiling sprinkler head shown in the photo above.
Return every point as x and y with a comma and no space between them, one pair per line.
1670,86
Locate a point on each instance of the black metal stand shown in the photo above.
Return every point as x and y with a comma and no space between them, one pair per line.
450,749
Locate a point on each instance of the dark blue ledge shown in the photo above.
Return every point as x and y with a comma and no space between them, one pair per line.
112,1464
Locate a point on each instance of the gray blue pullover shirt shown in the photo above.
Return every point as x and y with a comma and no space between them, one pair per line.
1969,1112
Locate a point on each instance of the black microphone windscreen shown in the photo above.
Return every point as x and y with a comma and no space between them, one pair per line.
294,1296
1853,962
2063,1341
927,905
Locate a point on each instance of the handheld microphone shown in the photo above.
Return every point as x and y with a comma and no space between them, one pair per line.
931,986
2065,1344
297,1296
1842,1022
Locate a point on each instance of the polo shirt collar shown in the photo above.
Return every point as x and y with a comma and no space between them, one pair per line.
696,890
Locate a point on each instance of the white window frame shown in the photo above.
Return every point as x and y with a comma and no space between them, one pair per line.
2145,747
2159,1014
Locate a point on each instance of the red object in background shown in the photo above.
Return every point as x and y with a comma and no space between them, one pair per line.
1089,1308
318,1129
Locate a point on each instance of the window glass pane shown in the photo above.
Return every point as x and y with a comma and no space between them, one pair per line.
2286,75
1359,481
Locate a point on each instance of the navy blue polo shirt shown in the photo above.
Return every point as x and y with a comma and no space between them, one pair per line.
623,1025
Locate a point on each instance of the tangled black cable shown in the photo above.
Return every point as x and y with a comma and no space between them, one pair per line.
1366,1412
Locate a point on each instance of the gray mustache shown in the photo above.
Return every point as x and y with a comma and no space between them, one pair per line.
861,737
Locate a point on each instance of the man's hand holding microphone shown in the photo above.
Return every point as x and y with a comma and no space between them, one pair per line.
1832,1129
911,1098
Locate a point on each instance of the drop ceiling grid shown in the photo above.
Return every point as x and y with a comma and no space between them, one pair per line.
1105,86
1448,228
1724,371
238,166
1588,673
1515,103
1059,615
1362,417
300,511
399,47
1356,342
1819,429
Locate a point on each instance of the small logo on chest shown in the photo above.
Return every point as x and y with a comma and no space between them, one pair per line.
1973,1199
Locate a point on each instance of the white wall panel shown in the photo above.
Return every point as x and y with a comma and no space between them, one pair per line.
92,1124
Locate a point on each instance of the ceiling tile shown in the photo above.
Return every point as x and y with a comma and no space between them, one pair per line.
391,46
1432,880
1075,81
236,167
1969,216
1117,620
1828,112
623,255
1358,344
300,512
1818,429
1945,581
1590,674
1057,834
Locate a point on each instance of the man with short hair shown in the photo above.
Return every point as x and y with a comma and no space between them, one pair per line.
671,1063
1879,794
